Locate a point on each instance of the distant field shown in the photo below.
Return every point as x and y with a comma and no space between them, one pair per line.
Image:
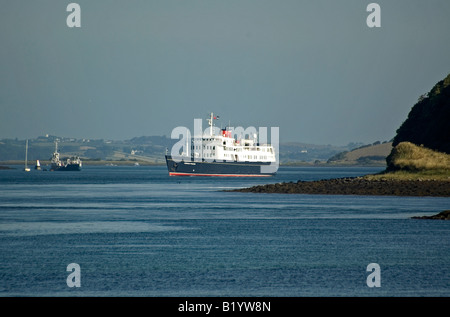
367,155
379,150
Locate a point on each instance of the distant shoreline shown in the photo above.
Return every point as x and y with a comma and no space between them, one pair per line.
5,164
5,167
161,163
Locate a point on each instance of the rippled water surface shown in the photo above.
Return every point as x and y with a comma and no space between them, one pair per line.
135,231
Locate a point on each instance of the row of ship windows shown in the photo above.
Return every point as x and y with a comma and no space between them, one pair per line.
208,147
250,157
212,147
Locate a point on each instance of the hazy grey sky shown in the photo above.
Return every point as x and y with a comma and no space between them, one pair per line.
313,68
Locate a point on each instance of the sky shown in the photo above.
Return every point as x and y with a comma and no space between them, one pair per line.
315,69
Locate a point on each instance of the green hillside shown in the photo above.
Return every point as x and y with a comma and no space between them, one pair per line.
422,144
428,122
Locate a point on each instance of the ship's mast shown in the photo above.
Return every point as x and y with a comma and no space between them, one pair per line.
55,157
210,122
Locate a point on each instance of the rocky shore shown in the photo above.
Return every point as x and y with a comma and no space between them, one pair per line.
444,215
358,186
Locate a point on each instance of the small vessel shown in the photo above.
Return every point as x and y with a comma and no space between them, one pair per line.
38,165
72,164
223,155
26,168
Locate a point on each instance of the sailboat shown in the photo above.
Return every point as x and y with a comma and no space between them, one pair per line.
26,169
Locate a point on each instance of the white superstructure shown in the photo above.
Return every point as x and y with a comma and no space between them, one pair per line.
231,146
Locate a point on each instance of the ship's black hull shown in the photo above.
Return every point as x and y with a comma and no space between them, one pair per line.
68,167
224,169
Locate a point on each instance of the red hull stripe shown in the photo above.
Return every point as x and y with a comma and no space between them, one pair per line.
222,175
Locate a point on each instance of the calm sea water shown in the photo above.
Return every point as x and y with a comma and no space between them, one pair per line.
135,231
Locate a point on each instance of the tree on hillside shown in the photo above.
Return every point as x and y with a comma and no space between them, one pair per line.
428,122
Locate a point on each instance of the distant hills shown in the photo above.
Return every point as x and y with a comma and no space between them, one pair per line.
146,149
149,149
296,153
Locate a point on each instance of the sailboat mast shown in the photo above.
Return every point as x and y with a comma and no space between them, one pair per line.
26,154
26,169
